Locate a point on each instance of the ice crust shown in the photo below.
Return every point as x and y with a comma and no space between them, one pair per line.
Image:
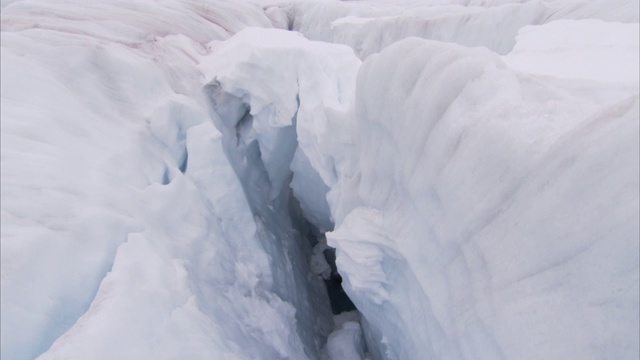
167,166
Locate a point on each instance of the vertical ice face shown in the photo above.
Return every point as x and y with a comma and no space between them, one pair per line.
478,203
268,94
275,90
126,233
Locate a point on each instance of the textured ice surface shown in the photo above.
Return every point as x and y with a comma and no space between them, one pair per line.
125,231
287,85
485,213
483,201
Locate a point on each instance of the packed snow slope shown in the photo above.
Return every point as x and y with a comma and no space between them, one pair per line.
167,167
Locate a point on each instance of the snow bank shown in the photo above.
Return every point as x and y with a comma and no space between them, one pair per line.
487,213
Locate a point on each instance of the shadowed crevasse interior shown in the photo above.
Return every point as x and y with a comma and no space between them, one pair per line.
284,231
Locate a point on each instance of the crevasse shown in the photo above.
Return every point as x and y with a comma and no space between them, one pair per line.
266,126
482,202
292,241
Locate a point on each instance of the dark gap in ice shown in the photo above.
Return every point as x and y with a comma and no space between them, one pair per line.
340,301
165,177
184,162
277,209
243,127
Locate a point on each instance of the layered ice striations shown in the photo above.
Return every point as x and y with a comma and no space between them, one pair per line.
269,94
477,203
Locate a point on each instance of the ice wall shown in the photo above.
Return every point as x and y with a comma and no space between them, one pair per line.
462,225
482,206
477,197
126,233
483,212
269,92
276,88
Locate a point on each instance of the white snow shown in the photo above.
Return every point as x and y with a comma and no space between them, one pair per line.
346,342
125,232
509,229
168,166
586,49
288,83
368,26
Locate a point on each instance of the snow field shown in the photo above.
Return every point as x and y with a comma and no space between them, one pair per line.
166,168
126,232
370,26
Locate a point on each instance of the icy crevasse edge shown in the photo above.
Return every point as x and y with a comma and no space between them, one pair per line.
491,202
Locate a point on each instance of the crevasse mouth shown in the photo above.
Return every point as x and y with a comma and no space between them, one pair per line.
288,233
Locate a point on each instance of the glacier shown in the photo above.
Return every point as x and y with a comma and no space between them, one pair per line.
178,175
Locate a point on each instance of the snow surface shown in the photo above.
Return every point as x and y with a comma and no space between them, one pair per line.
368,26
510,227
125,231
167,168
